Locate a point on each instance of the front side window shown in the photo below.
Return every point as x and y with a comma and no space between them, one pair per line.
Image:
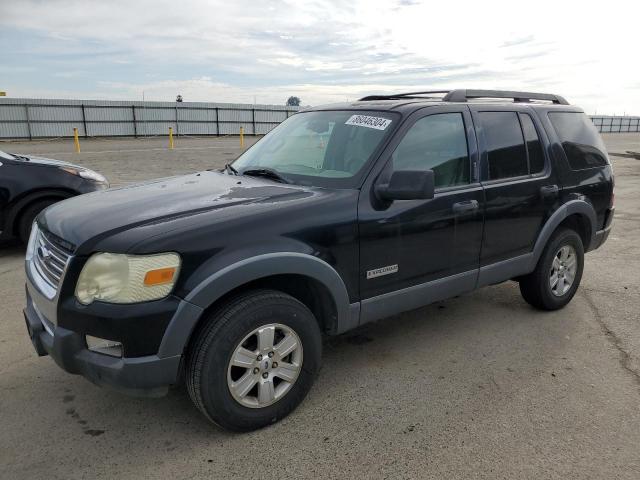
439,143
580,140
321,148
505,145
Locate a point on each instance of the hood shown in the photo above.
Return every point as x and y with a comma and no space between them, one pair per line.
100,214
45,161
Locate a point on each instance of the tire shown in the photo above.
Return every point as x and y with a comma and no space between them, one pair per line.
563,257
29,215
216,387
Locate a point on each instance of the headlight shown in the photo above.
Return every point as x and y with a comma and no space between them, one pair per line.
85,173
91,175
118,278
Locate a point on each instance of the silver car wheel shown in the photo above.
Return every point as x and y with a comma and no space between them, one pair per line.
265,365
563,270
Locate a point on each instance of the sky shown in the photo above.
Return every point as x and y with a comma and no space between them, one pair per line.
322,51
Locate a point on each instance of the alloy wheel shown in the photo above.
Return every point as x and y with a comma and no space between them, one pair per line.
265,365
563,270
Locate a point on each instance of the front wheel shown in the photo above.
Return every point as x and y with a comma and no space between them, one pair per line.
28,217
557,276
254,361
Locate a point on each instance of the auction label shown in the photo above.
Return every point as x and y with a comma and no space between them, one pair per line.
378,123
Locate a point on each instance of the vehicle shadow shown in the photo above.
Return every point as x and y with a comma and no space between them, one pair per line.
419,346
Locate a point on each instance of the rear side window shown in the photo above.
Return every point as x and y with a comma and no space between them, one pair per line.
505,145
580,139
534,147
439,143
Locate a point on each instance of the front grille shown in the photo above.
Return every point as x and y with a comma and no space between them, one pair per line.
50,259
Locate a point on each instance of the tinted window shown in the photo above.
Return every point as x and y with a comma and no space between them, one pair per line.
534,147
580,139
438,143
505,145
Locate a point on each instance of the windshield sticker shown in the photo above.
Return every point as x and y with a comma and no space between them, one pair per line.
378,123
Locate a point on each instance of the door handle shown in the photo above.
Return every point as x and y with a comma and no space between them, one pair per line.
465,207
549,191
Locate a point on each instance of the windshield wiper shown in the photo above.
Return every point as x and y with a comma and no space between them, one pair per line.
230,168
265,172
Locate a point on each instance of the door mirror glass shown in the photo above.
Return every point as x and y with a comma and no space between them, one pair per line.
407,185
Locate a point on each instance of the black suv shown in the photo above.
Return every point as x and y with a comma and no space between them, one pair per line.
342,215
29,184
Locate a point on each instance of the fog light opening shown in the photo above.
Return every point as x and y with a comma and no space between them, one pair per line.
104,346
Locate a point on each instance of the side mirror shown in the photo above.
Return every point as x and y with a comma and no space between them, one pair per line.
407,185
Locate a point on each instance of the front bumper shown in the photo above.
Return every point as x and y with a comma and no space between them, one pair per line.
141,376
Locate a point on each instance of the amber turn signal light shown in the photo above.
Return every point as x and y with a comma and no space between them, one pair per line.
159,276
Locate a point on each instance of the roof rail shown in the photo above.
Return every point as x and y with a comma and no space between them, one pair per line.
464,95
402,95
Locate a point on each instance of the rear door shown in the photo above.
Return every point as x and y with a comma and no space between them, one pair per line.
410,244
520,186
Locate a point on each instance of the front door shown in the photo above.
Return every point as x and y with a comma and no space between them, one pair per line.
413,252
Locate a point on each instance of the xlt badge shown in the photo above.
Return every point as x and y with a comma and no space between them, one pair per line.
379,272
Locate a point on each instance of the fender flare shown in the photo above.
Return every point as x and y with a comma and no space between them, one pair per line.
572,207
240,273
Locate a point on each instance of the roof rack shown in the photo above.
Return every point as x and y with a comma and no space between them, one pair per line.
404,95
464,95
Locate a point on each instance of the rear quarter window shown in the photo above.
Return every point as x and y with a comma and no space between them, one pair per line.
580,140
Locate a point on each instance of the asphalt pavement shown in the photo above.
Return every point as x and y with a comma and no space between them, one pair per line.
480,386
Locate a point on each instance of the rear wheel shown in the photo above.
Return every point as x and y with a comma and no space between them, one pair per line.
254,361
557,276
29,215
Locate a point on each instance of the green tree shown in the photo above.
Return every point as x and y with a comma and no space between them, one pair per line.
293,101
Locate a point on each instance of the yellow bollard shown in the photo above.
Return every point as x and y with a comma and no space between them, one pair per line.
241,137
171,138
76,142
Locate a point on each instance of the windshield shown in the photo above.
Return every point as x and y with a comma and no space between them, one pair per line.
6,156
327,149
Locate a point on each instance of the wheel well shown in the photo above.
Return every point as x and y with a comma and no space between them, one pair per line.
313,294
581,225
29,201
